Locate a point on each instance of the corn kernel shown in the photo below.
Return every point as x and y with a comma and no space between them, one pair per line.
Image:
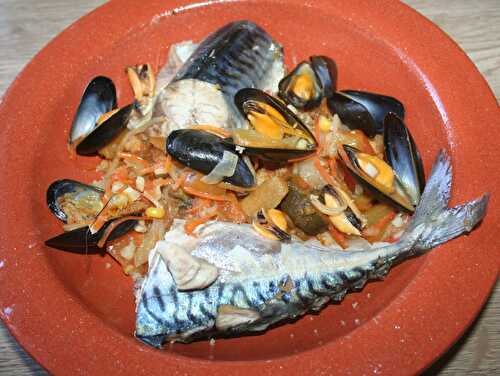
155,212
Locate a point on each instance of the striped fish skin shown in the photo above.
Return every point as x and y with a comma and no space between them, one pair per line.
266,282
239,55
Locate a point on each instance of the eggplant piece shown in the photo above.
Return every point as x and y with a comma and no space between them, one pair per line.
302,212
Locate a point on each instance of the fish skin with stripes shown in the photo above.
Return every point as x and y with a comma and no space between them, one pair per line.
228,281
236,56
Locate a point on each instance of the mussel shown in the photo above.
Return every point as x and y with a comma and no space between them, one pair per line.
78,204
326,71
301,87
403,156
306,85
376,176
97,121
203,151
363,110
275,133
272,224
82,241
340,208
70,199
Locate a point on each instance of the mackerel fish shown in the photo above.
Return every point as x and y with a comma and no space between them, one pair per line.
228,281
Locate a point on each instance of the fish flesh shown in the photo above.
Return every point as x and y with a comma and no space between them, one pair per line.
239,55
228,281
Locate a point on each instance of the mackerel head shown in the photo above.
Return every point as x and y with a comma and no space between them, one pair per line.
239,55
227,280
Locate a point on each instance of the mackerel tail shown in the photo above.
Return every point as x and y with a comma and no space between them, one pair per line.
259,282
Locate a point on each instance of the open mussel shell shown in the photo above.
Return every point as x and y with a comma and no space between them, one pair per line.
326,72
82,241
79,196
105,132
403,156
301,87
363,110
98,98
203,151
274,119
396,197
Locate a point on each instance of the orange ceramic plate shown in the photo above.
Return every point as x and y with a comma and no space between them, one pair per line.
75,314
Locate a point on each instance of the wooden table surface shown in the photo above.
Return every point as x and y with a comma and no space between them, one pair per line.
27,25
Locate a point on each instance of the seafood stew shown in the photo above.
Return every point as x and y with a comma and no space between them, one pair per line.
256,173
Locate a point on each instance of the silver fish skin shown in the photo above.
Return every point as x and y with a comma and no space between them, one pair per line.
261,282
238,55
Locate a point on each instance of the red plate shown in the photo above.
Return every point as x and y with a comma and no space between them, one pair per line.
75,314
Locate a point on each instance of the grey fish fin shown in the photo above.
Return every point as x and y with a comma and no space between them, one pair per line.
439,222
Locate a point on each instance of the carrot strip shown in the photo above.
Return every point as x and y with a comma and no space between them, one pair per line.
190,226
134,158
375,231
338,237
180,181
212,129
112,226
332,164
322,171
195,192
162,182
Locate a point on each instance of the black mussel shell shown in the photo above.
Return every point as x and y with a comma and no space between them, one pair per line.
81,241
326,71
348,155
289,93
78,191
363,110
98,98
202,151
105,132
274,154
403,156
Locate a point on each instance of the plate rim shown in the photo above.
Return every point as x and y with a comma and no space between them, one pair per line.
293,362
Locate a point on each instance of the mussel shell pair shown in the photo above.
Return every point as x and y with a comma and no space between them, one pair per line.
202,151
364,110
73,188
274,154
404,158
79,240
82,241
98,99
321,70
